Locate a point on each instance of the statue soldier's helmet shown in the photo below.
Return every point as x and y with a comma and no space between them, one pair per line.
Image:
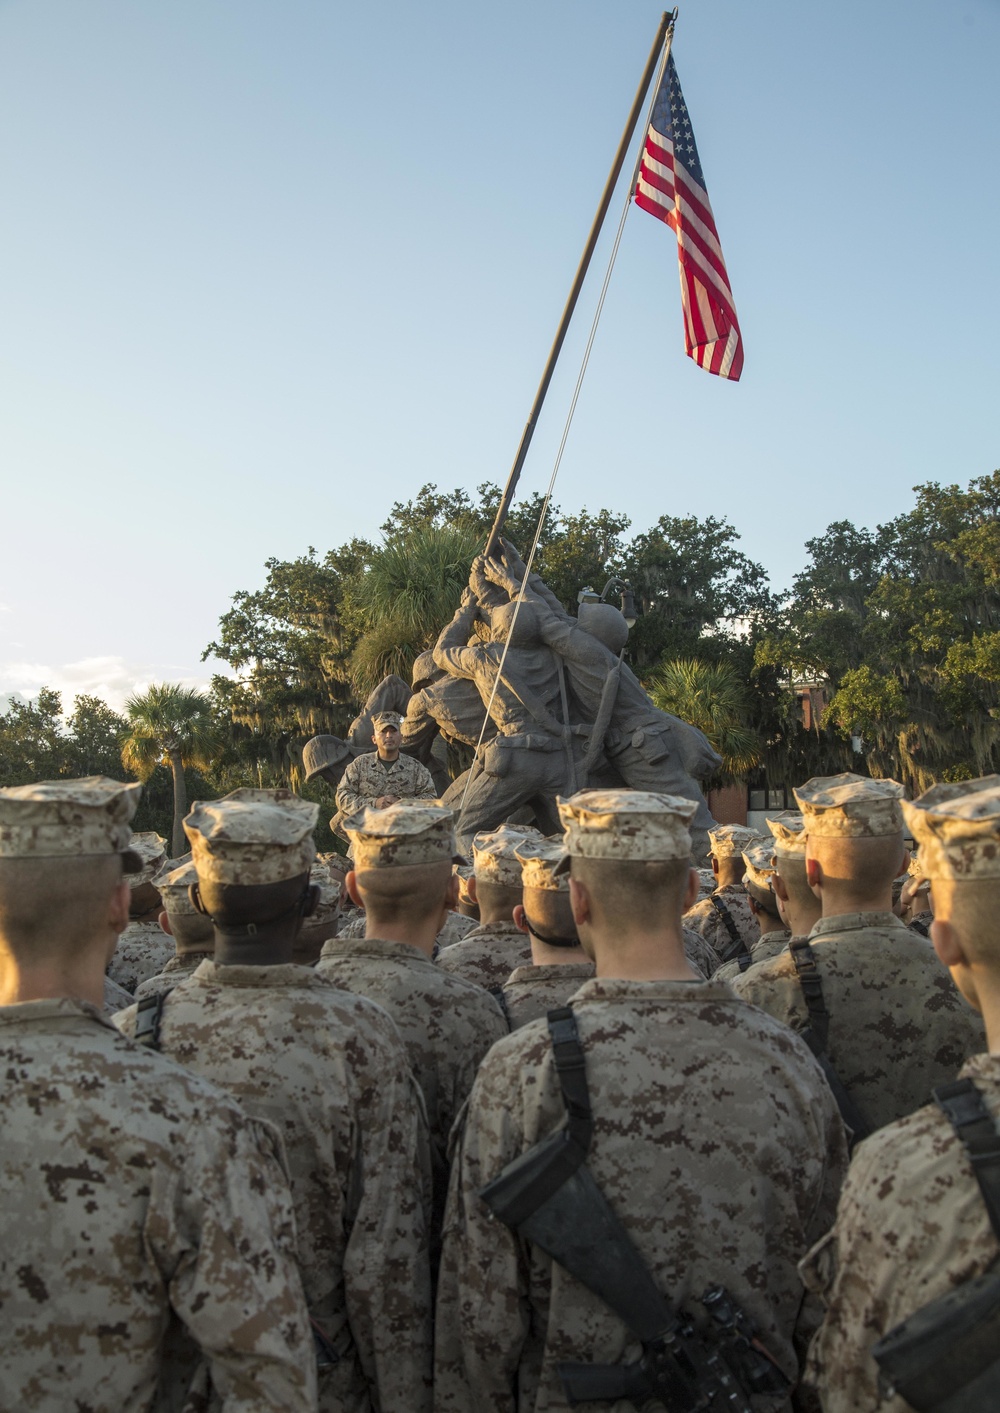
424,670
324,752
606,623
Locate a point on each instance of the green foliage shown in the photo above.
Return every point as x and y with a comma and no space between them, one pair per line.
713,697
899,626
33,745
410,589
168,721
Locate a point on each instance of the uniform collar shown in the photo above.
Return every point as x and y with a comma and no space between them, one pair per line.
495,929
614,989
209,973
552,971
187,961
854,922
64,1009
374,947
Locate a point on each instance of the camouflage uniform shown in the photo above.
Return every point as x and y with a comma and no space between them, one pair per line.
456,927
488,954
143,951
898,1026
704,919
732,1191
699,953
115,997
133,1190
329,1070
771,944
178,969
447,1025
910,1227
368,777
531,991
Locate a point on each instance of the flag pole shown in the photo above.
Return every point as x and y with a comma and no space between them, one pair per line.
666,24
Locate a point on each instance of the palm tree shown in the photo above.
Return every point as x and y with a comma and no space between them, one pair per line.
169,725
711,696
408,593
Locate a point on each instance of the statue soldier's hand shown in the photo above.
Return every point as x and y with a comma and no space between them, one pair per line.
515,564
497,571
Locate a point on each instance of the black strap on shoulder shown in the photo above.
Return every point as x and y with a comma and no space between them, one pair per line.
812,993
817,1034
745,961
571,1067
727,918
148,1018
497,993
735,934
972,1121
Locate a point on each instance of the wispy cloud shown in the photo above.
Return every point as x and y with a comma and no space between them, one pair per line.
111,678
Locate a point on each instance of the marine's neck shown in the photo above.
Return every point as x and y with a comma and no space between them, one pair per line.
623,955
267,947
546,956
81,976
421,935
836,902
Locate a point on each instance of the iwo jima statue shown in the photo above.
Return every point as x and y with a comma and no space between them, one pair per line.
565,712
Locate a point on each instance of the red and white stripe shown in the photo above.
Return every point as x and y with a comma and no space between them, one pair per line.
668,191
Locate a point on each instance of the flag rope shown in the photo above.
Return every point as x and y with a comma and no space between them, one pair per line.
571,413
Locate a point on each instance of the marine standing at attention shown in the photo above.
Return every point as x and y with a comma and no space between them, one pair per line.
913,1226
711,1190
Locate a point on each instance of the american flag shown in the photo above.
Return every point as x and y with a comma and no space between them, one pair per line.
671,186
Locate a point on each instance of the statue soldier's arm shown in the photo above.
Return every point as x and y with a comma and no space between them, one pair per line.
451,651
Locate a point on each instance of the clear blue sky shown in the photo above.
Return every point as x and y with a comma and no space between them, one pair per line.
267,267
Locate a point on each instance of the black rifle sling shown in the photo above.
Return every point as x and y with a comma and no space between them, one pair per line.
727,918
571,1067
972,1121
148,1018
817,1034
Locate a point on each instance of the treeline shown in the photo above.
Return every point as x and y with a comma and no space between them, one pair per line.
896,628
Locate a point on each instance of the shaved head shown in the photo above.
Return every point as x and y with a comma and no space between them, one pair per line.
55,908
855,874
645,893
799,907
411,894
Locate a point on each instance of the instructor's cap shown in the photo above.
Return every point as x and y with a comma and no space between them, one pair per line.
69,819
789,833
151,848
408,832
252,836
386,718
493,854
850,806
172,885
729,840
758,860
633,825
958,828
539,860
